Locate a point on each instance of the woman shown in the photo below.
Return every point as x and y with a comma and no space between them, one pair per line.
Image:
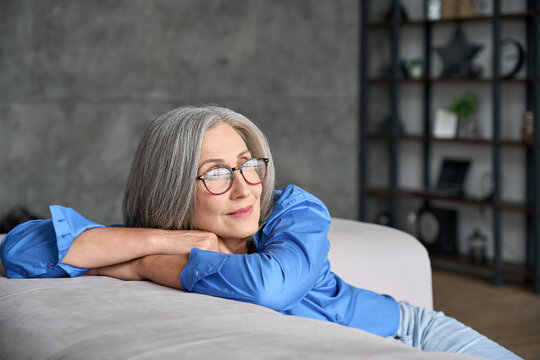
201,215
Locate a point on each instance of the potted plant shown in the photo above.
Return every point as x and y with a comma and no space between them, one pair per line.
465,107
415,68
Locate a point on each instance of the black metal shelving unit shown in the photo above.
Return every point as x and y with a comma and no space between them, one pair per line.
393,193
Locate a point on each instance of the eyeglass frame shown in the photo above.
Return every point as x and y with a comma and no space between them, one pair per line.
232,170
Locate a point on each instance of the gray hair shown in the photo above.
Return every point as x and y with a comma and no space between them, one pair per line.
160,190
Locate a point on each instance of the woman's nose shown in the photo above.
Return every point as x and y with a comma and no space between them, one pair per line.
240,188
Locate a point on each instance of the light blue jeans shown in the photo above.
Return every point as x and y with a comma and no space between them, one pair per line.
433,331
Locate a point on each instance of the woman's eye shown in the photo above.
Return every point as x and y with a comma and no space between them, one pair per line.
251,163
218,173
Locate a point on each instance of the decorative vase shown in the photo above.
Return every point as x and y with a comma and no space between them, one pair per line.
468,127
477,247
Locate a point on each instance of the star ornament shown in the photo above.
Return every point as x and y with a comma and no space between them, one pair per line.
457,56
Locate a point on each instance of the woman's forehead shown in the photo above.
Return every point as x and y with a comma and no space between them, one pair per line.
222,141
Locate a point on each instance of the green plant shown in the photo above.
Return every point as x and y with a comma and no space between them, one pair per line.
465,104
416,62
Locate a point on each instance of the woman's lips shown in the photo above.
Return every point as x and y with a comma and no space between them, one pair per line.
242,213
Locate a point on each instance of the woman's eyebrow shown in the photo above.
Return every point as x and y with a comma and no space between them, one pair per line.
245,152
211,161
217,161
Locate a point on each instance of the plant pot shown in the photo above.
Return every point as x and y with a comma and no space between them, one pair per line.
468,127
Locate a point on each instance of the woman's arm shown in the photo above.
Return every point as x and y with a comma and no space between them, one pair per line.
161,269
69,244
104,246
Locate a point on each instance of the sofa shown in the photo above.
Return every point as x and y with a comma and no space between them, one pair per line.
93,317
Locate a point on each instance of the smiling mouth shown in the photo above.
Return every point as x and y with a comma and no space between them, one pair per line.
242,213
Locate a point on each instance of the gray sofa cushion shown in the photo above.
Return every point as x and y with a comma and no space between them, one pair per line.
104,318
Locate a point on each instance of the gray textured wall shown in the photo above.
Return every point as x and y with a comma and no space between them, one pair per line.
80,79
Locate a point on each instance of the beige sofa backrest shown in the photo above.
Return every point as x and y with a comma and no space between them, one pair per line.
381,259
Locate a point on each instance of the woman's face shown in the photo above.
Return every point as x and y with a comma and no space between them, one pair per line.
234,215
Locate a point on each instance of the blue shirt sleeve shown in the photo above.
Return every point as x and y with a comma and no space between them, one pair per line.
35,248
292,251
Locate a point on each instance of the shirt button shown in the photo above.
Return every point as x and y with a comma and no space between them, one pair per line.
209,268
51,266
23,272
196,272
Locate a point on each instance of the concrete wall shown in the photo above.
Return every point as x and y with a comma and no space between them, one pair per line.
80,79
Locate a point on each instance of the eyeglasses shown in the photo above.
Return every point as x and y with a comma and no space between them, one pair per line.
219,180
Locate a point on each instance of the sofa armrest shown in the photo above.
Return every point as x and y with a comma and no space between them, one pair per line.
382,259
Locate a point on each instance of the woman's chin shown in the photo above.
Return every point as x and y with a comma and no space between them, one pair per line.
240,234
241,230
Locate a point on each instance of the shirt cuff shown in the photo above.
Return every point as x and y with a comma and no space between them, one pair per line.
201,264
68,224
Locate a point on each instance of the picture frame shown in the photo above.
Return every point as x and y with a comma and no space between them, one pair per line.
445,124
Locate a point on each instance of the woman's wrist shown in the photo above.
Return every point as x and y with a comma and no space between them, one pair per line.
158,241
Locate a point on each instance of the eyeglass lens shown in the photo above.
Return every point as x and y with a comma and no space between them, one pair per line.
218,180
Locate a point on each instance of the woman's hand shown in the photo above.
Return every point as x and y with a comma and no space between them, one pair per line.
199,239
211,242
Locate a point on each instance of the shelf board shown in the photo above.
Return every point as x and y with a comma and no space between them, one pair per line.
461,263
419,194
477,141
416,22
424,80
